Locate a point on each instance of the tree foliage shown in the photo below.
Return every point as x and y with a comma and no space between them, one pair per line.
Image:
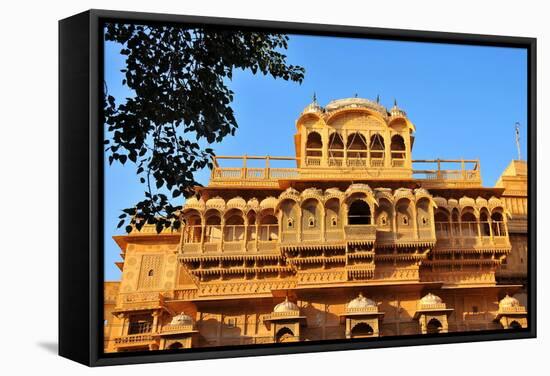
179,77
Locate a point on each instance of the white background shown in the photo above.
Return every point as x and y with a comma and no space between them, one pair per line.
28,197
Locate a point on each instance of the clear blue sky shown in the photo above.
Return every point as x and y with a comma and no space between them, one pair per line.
464,101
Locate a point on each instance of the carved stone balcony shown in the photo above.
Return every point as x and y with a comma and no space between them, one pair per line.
360,233
177,329
472,235
139,301
133,340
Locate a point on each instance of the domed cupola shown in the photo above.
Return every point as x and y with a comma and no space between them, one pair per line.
361,303
313,107
508,302
432,314
286,306
511,314
179,333
181,319
362,317
431,300
395,111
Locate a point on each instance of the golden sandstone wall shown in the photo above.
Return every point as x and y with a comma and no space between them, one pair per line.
293,260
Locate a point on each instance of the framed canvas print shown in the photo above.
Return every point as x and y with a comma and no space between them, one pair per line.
239,187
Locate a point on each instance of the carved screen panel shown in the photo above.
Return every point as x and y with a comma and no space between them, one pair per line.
149,276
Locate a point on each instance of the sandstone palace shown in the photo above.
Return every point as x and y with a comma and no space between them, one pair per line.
350,238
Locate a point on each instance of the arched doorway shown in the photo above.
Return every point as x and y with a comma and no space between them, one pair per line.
434,326
514,325
359,213
284,335
175,346
361,330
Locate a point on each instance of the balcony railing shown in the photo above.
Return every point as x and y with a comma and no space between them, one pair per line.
313,161
136,339
463,171
472,234
433,173
235,237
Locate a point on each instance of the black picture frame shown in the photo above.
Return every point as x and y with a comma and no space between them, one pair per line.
81,186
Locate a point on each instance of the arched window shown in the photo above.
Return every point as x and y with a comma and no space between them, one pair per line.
335,149
469,223
251,235
423,217
359,213
357,146
311,213
150,273
498,224
361,330
434,326
269,228
289,214
332,211
484,223
383,215
442,223
403,211
213,229
192,228
314,149
377,150
284,335
397,148
234,226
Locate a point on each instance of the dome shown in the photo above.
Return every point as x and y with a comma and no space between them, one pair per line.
181,319
312,107
430,299
286,306
356,102
396,111
361,302
508,302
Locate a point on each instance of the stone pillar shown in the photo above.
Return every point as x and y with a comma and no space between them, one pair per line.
415,220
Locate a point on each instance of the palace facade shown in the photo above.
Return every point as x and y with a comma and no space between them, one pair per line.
349,238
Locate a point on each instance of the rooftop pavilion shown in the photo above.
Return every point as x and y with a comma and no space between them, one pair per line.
351,139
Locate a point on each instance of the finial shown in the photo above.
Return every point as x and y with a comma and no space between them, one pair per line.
517,140
395,102
314,98
378,98
355,96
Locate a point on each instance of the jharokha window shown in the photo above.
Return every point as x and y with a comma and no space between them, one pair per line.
359,213
140,324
